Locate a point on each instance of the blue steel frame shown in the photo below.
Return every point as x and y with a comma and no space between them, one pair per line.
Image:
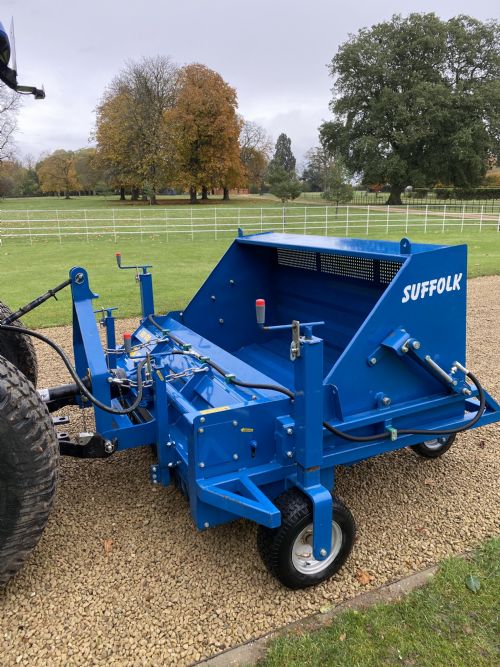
235,449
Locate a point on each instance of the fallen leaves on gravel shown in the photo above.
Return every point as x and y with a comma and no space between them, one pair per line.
108,546
364,577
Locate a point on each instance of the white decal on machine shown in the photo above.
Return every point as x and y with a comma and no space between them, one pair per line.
430,287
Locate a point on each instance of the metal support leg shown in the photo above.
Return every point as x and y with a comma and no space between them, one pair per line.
147,302
109,324
160,473
309,439
89,355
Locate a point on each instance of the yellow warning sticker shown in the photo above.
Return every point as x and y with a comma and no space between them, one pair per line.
246,430
143,335
160,375
211,410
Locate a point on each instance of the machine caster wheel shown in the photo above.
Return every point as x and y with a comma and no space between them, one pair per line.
18,348
29,455
431,449
287,551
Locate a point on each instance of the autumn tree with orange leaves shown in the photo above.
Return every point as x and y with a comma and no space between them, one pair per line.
115,145
205,129
133,141
57,173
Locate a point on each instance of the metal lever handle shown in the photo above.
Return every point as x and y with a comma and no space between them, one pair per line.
136,267
260,312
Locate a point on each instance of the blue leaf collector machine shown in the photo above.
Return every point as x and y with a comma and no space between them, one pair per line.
298,354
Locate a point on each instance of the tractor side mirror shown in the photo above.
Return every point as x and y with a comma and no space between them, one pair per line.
4,47
9,74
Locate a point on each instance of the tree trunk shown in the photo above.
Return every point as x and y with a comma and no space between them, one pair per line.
395,196
225,196
122,194
192,195
152,199
204,193
134,196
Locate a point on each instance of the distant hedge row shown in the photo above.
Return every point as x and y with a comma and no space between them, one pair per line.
456,193
467,193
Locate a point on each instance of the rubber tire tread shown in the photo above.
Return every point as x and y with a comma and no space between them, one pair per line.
18,348
295,507
29,457
422,450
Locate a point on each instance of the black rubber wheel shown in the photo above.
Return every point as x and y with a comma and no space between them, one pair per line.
432,449
29,455
18,348
278,546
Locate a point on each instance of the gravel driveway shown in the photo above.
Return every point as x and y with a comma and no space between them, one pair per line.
121,576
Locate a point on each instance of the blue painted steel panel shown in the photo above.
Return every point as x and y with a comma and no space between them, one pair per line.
347,246
391,312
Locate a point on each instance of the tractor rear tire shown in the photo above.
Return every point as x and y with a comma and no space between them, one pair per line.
29,456
432,449
18,348
287,551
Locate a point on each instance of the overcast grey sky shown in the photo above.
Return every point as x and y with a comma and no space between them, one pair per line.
273,52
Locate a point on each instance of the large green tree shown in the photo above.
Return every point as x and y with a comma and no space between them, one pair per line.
283,184
283,157
337,186
416,100
281,174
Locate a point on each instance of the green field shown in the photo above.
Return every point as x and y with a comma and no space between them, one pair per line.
490,207
444,624
182,251
110,201
179,269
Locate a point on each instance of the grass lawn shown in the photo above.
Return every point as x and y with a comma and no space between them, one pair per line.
179,269
442,624
490,207
183,258
113,201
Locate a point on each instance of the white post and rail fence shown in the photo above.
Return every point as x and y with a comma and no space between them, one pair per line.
204,222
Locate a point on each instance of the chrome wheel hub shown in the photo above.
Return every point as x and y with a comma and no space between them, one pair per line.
302,550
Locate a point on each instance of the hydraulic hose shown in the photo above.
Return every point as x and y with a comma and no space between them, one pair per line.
221,371
272,387
464,427
36,302
356,438
81,386
420,431
346,436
